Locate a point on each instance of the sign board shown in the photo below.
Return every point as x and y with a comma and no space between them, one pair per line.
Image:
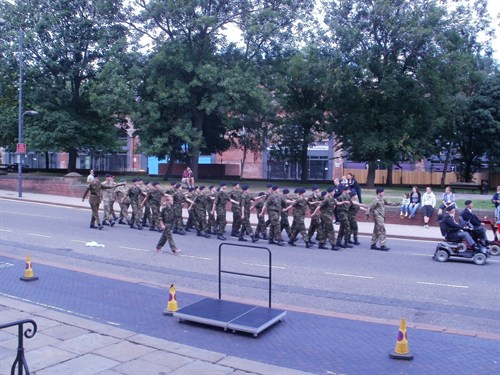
21,148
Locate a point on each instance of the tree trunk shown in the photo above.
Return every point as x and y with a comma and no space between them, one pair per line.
195,154
304,173
72,155
47,161
245,151
389,175
370,178
445,168
168,172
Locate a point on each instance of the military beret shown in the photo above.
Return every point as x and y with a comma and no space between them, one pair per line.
155,183
223,184
211,187
202,187
96,176
108,175
379,190
191,189
301,191
315,188
274,187
261,194
133,180
177,186
146,182
353,194
323,193
173,183
245,187
450,208
236,183
467,202
286,191
330,189
296,191
269,186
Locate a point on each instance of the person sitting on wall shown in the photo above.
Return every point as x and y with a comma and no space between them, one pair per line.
187,177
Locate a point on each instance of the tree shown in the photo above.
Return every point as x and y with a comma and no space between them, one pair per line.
66,43
383,105
208,85
302,96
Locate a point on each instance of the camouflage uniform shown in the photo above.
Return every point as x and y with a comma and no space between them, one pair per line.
166,218
353,223
124,202
108,200
179,200
299,214
95,188
220,202
343,215
135,195
327,207
246,227
210,216
146,215
261,224
190,197
154,200
235,195
315,221
377,209
284,222
200,213
273,208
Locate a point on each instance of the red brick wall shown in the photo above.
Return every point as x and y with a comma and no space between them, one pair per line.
66,186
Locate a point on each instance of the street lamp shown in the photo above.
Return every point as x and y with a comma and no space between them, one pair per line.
21,148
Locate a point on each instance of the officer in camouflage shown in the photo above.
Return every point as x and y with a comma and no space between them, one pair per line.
377,209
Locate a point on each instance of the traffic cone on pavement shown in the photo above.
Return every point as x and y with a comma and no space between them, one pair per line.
28,271
172,302
402,351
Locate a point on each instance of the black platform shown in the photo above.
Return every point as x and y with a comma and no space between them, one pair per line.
231,315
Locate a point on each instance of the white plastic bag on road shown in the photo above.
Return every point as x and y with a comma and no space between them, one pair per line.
94,244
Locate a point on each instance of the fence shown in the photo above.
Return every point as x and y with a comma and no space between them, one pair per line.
419,178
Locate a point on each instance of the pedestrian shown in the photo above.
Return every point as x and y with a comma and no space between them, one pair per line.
428,204
165,222
326,208
377,209
354,186
154,200
474,222
272,207
448,200
343,202
124,202
495,199
90,177
246,203
235,197
258,205
299,206
415,199
284,222
405,206
312,202
219,208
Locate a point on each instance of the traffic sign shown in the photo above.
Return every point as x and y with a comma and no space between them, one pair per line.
21,148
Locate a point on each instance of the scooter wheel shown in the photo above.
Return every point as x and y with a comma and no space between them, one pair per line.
441,256
494,250
461,247
479,259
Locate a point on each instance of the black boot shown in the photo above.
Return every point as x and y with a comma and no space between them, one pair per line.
105,222
279,243
99,226
308,244
322,246
206,235
338,245
292,243
221,237
356,242
335,247
347,245
374,247
255,239
384,248
271,242
242,239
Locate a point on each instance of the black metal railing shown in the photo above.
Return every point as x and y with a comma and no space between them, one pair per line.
20,361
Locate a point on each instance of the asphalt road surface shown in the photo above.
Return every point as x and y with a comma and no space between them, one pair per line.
404,282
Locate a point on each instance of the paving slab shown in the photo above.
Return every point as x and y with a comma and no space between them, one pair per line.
86,343
84,365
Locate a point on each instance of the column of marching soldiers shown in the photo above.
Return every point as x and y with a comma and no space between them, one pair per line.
156,209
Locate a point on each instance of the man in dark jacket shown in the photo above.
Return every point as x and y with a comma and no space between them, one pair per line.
454,231
473,220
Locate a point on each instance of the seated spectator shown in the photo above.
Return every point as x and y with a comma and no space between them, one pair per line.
353,184
496,201
415,198
454,231
428,204
470,218
448,200
187,177
405,203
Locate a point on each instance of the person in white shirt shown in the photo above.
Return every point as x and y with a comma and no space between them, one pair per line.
90,177
428,203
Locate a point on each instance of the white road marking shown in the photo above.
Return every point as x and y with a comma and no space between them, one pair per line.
348,275
5,230
56,308
264,265
194,257
134,248
448,285
421,255
24,214
4,265
80,241
38,235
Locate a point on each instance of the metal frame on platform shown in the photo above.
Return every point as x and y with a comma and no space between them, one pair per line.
233,315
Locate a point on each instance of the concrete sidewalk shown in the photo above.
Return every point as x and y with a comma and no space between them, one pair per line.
365,228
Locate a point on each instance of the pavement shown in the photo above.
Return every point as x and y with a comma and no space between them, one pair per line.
71,343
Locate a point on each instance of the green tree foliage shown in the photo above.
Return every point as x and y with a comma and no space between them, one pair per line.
302,96
384,107
197,85
66,44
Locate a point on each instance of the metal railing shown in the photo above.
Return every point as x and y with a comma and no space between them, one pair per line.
20,361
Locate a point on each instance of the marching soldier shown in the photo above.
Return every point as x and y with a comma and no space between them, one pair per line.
124,202
246,202
299,206
343,204
326,208
261,222
312,202
165,223
377,209
153,199
235,197
219,208
273,208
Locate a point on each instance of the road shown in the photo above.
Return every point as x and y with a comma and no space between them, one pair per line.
362,284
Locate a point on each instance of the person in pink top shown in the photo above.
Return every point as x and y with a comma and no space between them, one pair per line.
187,177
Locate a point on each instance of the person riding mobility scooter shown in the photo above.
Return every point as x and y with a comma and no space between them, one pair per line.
459,242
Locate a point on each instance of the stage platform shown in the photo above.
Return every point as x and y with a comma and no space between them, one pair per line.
230,315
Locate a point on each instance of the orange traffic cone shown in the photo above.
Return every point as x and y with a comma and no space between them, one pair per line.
28,271
401,351
172,302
